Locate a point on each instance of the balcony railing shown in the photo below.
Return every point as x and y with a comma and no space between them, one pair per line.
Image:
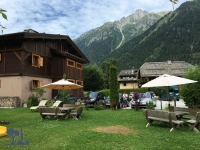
128,79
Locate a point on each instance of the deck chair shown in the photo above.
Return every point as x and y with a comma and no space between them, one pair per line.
194,123
42,103
56,104
76,115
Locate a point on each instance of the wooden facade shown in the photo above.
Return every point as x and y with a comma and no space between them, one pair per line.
42,56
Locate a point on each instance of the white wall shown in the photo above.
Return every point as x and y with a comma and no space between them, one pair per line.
21,86
128,85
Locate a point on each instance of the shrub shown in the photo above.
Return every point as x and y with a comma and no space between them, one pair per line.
138,90
33,100
63,96
98,107
39,91
29,103
149,105
50,103
191,92
166,108
106,91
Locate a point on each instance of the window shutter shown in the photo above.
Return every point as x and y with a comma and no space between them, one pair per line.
41,83
38,62
41,61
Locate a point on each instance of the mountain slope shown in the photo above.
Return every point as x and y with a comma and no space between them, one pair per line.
175,37
96,44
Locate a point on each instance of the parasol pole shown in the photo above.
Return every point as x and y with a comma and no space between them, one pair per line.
168,96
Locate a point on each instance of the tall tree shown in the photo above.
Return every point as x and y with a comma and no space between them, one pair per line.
114,96
93,78
191,92
105,66
2,12
176,1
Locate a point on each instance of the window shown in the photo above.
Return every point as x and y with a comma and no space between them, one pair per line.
79,82
124,84
71,80
37,61
79,66
70,63
36,83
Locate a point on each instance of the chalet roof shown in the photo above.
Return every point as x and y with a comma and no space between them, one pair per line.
32,34
153,69
128,72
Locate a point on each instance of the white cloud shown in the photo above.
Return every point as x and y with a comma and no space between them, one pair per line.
72,17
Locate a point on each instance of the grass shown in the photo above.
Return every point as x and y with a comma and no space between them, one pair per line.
82,134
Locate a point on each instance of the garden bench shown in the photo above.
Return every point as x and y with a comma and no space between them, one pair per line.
162,116
192,112
51,111
194,123
75,114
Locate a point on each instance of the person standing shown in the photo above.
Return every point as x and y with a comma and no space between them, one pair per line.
124,96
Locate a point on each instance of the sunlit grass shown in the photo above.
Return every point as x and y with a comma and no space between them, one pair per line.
82,134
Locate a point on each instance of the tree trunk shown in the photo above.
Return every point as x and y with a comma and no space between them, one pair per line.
113,105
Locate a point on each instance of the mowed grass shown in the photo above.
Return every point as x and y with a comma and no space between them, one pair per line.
83,134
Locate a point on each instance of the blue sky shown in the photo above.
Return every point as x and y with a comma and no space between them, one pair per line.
72,17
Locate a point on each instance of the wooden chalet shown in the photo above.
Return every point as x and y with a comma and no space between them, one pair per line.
30,59
127,79
151,70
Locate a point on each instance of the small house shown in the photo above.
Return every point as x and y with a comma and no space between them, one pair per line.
127,79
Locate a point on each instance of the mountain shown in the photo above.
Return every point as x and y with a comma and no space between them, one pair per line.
175,37
97,43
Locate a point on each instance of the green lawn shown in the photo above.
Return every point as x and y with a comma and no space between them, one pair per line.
83,134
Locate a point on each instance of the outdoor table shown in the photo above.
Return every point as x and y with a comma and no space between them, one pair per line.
67,110
180,114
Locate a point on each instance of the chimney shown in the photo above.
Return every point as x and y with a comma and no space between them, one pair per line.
169,62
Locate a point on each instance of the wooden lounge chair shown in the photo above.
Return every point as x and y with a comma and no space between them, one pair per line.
76,115
56,104
194,123
42,103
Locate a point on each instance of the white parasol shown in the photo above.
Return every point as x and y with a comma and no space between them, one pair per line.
62,85
167,80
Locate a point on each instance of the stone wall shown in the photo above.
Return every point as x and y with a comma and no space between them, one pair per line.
10,101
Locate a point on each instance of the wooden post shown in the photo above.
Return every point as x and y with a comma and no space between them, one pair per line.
174,102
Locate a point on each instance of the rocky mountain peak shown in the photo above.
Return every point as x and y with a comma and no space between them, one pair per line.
112,35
